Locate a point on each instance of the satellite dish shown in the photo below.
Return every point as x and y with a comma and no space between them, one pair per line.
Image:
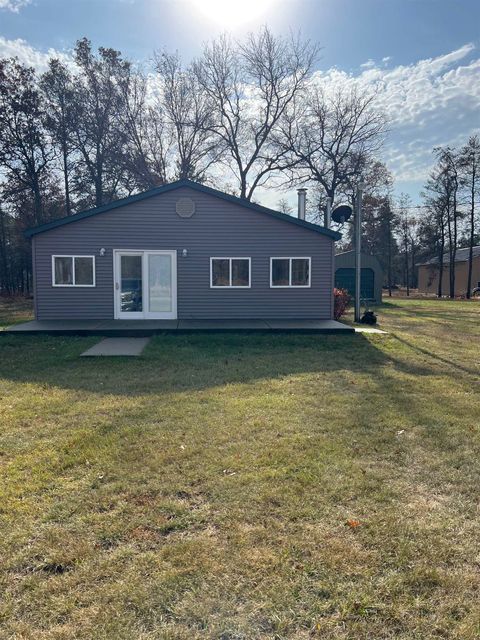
342,213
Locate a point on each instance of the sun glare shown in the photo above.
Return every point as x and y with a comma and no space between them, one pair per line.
232,13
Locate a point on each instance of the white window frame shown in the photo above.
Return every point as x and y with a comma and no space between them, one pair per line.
291,286
73,271
231,286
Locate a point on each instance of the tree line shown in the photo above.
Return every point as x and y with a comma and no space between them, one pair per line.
243,115
240,116
402,235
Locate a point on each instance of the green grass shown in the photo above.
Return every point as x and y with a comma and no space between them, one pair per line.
203,489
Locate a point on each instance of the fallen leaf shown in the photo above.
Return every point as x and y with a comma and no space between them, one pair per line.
353,524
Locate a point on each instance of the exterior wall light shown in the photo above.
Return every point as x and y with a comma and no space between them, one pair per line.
184,253
102,251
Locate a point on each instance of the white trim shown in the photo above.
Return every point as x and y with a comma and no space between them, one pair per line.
144,314
72,256
291,286
230,286
118,314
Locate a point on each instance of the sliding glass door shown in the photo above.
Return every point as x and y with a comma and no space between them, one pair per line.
145,285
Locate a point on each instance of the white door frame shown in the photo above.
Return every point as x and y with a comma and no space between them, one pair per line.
144,314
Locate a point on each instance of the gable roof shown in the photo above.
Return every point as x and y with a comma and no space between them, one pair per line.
345,258
462,255
171,187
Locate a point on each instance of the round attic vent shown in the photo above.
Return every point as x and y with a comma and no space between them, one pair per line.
185,207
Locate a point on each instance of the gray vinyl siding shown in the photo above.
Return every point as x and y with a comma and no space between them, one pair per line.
34,276
218,228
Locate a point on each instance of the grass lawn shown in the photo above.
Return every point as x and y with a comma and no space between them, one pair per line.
15,310
204,489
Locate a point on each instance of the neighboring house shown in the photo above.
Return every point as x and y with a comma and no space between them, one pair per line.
183,251
371,276
428,273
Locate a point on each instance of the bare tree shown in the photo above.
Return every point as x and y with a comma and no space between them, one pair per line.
24,152
436,195
284,206
250,86
331,139
99,137
413,234
145,155
469,167
61,117
407,230
189,114
448,183
6,254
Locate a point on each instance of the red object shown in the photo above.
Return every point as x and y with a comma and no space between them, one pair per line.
341,299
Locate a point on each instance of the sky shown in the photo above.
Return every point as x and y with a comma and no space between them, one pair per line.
422,56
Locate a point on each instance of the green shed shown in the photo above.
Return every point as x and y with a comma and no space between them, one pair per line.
371,278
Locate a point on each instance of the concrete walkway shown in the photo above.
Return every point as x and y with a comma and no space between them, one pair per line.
117,347
369,330
137,328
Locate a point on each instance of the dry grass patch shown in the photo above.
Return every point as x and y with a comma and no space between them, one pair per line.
16,309
242,487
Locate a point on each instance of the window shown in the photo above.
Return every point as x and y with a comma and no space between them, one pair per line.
290,272
229,272
73,271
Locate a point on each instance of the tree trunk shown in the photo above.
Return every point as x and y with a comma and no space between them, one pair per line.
451,264
389,266
454,247
5,283
440,266
243,187
407,274
412,268
37,203
98,179
68,206
98,191
472,237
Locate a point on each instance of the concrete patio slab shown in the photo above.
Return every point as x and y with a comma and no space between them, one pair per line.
145,328
55,326
117,347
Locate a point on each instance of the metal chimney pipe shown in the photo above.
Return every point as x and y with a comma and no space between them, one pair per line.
328,213
302,203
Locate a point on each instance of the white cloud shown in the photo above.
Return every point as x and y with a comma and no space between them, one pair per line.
431,102
369,64
13,5
29,55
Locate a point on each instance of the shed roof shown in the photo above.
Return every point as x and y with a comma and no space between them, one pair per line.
347,258
462,255
177,185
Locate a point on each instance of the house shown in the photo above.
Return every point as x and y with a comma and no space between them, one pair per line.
428,273
183,251
371,281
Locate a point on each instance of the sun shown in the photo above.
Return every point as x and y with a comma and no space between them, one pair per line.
232,13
